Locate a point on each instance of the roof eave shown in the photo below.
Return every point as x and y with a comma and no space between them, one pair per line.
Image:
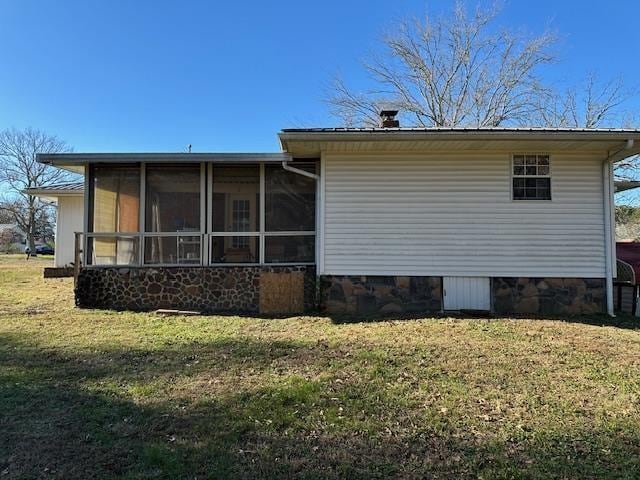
75,159
619,136
53,193
400,134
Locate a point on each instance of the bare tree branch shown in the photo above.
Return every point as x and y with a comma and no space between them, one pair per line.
589,105
451,71
19,170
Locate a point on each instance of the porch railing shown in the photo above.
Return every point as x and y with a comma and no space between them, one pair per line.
148,249
142,248
78,249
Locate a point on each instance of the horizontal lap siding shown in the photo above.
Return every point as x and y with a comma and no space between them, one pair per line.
69,221
453,215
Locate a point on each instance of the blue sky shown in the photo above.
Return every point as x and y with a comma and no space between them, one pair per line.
124,75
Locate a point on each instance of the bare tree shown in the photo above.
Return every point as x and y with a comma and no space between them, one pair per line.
20,170
460,70
452,71
592,104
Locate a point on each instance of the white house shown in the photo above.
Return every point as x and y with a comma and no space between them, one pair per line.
382,220
68,198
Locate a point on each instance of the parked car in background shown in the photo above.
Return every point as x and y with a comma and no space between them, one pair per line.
44,250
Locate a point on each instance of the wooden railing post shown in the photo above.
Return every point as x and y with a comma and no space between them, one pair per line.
77,257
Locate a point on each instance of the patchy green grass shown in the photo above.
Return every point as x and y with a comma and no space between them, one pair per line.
94,394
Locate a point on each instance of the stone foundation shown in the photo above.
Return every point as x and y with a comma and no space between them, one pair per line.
370,295
548,296
237,290
203,289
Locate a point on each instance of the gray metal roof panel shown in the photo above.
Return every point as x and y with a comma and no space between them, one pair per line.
57,189
458,129
66,186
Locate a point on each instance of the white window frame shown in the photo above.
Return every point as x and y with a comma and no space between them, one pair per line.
512,176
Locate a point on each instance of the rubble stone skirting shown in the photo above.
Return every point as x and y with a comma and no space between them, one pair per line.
370,295
203,289
548,296
237,290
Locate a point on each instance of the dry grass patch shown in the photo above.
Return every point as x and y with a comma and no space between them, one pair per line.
94,394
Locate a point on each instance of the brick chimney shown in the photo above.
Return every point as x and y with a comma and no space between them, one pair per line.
388,118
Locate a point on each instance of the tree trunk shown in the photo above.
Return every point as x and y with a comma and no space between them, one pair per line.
31,234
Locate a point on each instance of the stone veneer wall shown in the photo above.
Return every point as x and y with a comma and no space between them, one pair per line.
370,295
203,289
548,296
236,290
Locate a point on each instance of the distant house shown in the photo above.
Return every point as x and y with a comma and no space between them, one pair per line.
12,238
377,220
68,198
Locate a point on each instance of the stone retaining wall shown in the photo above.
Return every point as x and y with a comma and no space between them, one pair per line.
370,295
548,296
203,289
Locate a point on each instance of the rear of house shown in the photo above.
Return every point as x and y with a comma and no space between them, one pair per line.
357,221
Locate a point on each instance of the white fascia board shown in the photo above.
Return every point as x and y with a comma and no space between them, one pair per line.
73,159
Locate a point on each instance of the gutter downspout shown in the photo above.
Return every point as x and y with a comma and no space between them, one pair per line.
607,202
289,168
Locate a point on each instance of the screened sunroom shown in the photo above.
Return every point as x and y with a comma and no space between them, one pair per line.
184,213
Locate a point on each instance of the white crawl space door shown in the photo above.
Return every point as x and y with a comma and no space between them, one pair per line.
466,293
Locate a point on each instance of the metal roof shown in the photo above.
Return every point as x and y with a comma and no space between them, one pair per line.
66,186
462,129
309,141
57,189
624,185
71,159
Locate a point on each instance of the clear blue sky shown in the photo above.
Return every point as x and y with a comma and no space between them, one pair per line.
124,75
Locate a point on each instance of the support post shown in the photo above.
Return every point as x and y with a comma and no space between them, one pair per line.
77,257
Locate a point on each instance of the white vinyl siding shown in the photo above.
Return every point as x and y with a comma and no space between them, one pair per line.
69,220
452,215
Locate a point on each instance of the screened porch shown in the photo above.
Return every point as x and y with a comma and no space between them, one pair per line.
200,213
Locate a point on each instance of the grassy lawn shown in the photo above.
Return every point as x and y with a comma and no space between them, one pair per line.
94,394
